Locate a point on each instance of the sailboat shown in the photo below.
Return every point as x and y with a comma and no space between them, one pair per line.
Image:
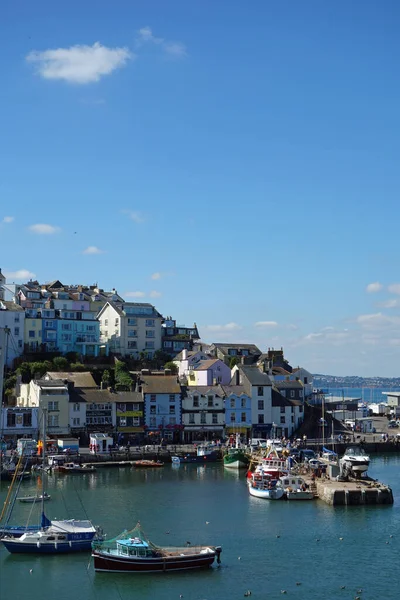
53,537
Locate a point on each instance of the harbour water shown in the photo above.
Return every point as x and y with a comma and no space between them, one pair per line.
268,547
369,395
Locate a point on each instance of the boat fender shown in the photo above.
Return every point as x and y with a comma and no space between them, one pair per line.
38,544
70,544
55,546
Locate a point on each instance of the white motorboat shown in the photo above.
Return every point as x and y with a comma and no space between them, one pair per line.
355,461
38,498
264,486
295,488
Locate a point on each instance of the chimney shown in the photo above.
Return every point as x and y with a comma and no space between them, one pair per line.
184,354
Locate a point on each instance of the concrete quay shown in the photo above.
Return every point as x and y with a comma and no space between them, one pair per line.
351,493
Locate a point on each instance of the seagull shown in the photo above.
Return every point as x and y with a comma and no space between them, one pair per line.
359,591
298,582
278,536
342,587
207,522
283,591
390,536
317,540
341,539
31,571
167,532
238,557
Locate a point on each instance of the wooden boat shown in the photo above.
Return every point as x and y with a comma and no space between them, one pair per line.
38,498
132,552
264,486
143,464
75,468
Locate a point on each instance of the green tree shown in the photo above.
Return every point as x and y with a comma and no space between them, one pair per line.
38,369
24,370
78,367
61,363
233,361
172,367
106,379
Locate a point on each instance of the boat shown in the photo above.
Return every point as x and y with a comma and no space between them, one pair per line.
264,486
203,454
37,498
75,468
132,552
272,464
145,464
295,488
236,458
53,537
354,461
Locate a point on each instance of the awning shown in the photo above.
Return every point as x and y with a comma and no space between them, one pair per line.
130,429
234,430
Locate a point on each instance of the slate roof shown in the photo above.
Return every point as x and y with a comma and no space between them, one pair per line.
160,384
130,397
252,348
204,390
238,390
91,395
179,356
288,385
254,375
11,306
204,365
279,400
43,383
81,380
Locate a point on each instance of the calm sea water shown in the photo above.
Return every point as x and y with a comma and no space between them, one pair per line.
279,543
367,394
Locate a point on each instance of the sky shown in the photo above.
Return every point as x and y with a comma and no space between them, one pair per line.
234,163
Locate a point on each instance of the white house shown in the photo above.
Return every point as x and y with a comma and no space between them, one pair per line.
306,379
259,387
209,372
162,405
52,395
19,421
130,328
287,414
12,318
188,359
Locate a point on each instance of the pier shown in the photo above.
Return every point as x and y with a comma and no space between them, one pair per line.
355,492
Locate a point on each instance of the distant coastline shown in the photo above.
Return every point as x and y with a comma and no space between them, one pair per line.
333,381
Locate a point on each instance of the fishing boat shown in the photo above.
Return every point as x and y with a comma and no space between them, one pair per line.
264,486
272,464
75,468
38,498
354,461
145,464
295,488
132,552
53,537
203,454
236,458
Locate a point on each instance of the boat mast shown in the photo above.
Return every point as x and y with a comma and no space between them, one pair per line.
44,416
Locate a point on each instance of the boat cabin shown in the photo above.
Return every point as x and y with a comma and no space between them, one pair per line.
291,481
134,547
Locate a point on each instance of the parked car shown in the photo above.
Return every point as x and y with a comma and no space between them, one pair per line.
307,454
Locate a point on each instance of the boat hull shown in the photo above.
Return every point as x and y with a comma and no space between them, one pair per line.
236,464
300,495
117,564
195,459
275,494
16,547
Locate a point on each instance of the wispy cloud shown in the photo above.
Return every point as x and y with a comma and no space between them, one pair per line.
8,219
377,320
228,327
156,276
372,288
266,324
155,294
79,64
394,288
92,250
21,274
135,215
392,303
44,229
170,48
135,294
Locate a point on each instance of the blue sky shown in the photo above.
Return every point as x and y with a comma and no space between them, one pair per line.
235,163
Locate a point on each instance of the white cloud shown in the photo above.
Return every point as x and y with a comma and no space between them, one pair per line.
79,64
155,294
328,328
21,274
394,288
392,303
44,229
372,288
8,220
135,294
134,215
156,276
228,327
292,327
312,336
266,324
377,320
172,49
92,250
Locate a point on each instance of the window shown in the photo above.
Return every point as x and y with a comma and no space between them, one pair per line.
167,344
19,343
53,405
135,406
66,327
172,420
292,393
52,421
149,344
215,418
27,419
172,397
16,330
132,322
195,401
260,391
66,337
122,421
282,409
150,333
243,403
77,407
191,418
305,380
232,402
132,345
243,417
150,322
153,397
49,324
233,418
260,419
153,421
105,322
132,332
76,421
135,421
16,319
232,352
300,409
210,400
283,419
153,410
10,419
261,405
116,322
292,418
203,418
90,328
171,409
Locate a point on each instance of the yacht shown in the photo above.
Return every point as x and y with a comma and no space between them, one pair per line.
355,461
